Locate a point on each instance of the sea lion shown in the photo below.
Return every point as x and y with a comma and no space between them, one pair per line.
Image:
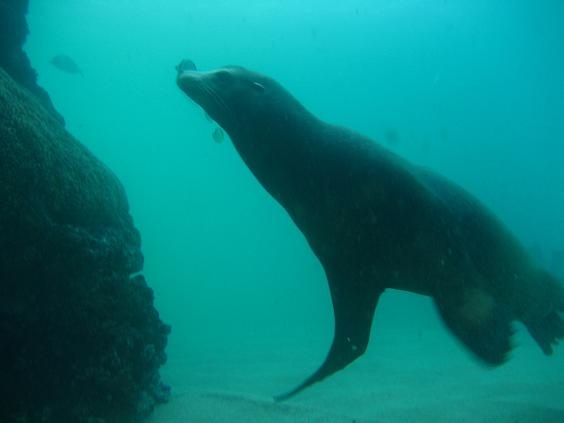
376,221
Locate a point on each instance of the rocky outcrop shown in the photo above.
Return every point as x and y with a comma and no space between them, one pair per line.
13,32
80,339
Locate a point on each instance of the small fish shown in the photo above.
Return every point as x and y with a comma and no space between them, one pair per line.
218,135
185,65
557,262
392,137
65,64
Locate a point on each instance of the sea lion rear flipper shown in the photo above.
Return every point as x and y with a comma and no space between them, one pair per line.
547,331
479,322
353,307
546,324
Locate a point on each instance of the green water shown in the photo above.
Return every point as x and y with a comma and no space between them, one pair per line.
472,89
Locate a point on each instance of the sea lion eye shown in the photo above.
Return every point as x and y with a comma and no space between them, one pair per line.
223,75
257,86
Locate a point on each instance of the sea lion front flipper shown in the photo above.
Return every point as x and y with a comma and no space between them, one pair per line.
353,306
479,322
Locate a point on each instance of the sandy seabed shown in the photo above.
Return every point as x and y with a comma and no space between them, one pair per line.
403,377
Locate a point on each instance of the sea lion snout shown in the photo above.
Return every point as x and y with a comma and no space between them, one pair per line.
193,84
208,90
187,80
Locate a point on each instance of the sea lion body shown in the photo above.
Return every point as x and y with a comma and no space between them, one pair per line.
376,221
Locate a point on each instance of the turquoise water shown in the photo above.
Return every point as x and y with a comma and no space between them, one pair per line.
472,89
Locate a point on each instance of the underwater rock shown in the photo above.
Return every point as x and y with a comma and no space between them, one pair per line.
13,32
80,338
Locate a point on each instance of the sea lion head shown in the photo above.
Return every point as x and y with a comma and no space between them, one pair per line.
242,102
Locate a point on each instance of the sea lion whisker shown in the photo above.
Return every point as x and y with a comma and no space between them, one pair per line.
217,99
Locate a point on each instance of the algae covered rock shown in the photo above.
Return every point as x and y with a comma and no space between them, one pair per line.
80,339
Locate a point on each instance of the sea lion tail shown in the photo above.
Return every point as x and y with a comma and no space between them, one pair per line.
548,329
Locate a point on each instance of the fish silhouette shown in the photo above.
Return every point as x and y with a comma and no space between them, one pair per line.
218,135
185,65
66,64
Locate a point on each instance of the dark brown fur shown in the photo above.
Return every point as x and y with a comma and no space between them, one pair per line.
376,221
